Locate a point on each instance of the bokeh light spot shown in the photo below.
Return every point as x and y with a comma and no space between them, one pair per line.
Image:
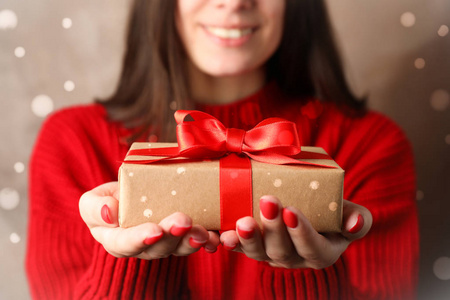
173,105
419,63
441,268
14,238
419,195
333,206
66,23
69,86
408,19
447,139
19,167
443,30
148,213
314,185
42,105
9,198
440,100
8,19
19,52
277,182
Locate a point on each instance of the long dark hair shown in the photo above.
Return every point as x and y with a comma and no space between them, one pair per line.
152,83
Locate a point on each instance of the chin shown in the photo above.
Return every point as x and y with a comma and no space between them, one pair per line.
227,71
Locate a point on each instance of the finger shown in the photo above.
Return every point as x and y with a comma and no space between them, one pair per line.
357,220
108,189
175,227
213,242
99,207
317,250
277,241
230,240
250,239
125,242
193,241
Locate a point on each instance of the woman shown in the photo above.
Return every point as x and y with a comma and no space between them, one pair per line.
241,61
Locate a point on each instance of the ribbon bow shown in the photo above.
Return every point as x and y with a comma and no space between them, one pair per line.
273,141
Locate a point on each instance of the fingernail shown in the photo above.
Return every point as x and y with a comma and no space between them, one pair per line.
176,230
246,234
153,239
105,214
210,250
269,209
228,247
195,243
289,218
358,225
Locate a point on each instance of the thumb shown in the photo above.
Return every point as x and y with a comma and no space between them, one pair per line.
357,220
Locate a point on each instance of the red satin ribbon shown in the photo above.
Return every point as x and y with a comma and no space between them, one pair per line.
236,193
273,141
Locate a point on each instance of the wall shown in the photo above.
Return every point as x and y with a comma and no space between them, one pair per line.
59,53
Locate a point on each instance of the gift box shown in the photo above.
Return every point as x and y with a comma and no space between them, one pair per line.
215,190
151,192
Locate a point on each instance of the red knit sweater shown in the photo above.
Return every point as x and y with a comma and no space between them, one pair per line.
78,149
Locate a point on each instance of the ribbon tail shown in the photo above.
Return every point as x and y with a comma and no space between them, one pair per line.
150,161
164,151
165,154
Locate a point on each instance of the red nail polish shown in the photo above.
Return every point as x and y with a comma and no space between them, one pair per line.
358,226
246,234
153,239
289,218
105,214
269,209
195,244
229,248
179,231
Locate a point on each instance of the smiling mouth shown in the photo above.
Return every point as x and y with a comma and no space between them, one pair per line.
229,33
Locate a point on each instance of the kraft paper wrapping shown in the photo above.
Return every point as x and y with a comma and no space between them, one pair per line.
151,192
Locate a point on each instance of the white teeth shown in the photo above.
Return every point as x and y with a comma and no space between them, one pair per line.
229,33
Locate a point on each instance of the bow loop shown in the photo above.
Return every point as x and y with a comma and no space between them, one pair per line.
274,135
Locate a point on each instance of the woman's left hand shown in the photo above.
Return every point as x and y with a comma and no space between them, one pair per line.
288,240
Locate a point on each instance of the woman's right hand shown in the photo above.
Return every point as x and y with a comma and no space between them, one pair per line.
174,235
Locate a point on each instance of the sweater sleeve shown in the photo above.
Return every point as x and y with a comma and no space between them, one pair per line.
77,150
380,175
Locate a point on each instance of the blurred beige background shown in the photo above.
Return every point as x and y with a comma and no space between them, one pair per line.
59,53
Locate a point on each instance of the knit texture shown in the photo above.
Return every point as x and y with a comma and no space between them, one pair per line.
79,149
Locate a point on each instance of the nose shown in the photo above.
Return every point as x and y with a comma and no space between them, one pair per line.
236,4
